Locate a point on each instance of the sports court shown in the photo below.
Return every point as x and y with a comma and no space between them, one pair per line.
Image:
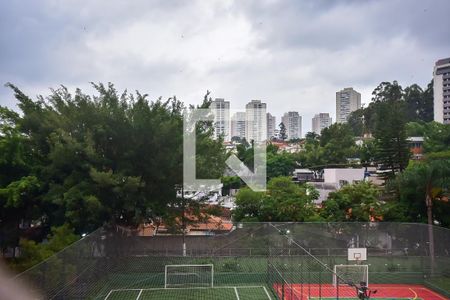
384,291
296,292
232,293
283,261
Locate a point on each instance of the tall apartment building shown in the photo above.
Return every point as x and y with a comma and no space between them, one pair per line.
255,121
347,101
293,123
238,125
221,110
321,121
441,90
271,126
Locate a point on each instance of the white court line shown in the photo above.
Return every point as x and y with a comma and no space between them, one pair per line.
236,292
197,288
267,293
191,288
110,292
433,292
139,295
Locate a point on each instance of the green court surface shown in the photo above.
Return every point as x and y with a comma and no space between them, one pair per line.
219,293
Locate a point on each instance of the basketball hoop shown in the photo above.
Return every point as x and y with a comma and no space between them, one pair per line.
357,255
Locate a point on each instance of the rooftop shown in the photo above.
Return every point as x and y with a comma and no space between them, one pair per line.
443,61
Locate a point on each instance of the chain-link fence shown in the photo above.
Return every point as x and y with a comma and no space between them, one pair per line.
273,260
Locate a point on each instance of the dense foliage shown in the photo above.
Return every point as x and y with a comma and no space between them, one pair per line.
284,201
383,129
82,160
72,162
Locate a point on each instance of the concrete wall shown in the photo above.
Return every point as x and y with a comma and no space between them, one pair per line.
438,104
349,175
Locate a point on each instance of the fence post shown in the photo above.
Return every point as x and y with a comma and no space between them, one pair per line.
301,277
320,284
337,286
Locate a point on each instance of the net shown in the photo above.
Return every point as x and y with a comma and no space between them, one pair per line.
181,276
351,274
294,259
303,275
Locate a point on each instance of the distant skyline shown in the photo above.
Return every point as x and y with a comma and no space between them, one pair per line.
292,55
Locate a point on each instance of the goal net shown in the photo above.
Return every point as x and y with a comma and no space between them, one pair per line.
181,276
351,274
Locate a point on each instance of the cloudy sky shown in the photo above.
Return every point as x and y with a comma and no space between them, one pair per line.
294,55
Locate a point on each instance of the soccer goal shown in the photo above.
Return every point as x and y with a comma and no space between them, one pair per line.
182,276
350,273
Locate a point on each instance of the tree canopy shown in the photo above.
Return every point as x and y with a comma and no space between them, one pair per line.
85,160
283,201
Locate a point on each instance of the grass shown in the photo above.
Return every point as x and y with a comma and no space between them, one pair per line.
220,293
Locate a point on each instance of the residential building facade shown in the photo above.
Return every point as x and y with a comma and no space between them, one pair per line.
221,110
255,121
321,121
347,101
293,123
238,125
441,90
271,126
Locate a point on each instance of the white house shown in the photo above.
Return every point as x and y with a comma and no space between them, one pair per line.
341,177
334,179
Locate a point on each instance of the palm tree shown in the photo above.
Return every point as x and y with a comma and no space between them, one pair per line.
429,177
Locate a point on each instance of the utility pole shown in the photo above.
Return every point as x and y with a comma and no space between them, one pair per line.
183,219
429,204
180,188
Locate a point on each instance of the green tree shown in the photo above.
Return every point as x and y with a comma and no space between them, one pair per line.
415,129
313,154
312,136
245,153
283,201
338,143
19,189
283,134
356,122
427,182
437,137
418,106
248,205
292,203
367,153
230,182
281,164
419,103
390,133
424,185
426,111
86,160
354,202
33,253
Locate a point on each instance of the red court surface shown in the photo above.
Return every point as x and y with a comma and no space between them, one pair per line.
384,291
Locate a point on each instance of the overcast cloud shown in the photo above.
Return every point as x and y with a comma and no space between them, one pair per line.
294,55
